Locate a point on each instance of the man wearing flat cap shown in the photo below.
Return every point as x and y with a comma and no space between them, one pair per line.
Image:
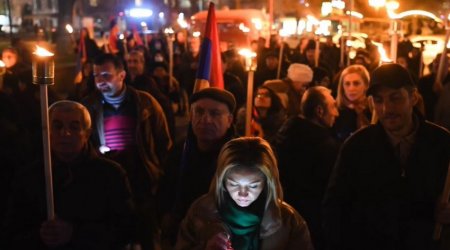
193,164
388,179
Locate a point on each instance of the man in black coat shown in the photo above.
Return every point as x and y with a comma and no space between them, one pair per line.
385,187
191,166
92,197
306,152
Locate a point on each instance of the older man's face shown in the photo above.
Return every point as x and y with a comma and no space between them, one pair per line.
68,136
210,119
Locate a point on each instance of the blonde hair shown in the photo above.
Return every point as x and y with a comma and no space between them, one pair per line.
252,153
342,100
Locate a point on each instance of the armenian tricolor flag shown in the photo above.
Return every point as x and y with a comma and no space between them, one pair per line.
209,72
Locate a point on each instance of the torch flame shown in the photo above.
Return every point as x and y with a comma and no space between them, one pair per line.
383,56
42,52
247,53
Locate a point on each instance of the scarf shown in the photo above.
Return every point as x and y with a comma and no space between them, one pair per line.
117,100
243,222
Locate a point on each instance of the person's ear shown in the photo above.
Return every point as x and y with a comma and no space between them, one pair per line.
230,120
415,96
122,75
319,111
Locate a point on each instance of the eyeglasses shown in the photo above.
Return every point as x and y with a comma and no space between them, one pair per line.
105,75
213,113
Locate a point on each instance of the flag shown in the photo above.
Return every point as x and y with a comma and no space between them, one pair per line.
81,59
209,72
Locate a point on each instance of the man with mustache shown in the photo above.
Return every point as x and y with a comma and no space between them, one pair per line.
388,179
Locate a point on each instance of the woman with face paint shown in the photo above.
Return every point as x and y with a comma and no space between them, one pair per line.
244,207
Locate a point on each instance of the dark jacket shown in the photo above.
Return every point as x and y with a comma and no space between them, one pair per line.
147,84
91,193
369,204
188,176
430,97
152,133
306,153
286,230
346,123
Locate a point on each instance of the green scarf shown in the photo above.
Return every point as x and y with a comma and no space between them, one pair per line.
243,222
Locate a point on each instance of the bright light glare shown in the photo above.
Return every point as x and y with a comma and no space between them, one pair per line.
244,28
392,5
183,24
257,22
143,24
323,28
69,28
247,53
168,30
140,12
326,9
161,15
418,13
338,4
377,3
355,14
121,36
196,34
383,56
42,52
2,64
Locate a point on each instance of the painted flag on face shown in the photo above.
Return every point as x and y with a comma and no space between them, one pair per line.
209,72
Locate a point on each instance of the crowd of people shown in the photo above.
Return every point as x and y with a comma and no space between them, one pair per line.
338,157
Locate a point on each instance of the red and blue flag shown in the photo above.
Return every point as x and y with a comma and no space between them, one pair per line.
209,72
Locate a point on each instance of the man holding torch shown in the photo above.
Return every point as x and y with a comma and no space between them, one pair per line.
93,205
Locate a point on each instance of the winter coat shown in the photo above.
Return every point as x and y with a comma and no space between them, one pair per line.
285,230
152,133
91,193
372,202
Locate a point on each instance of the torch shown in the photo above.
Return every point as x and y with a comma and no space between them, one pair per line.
283,34
145,31
44,74
124,42
169,33
69,30
250,66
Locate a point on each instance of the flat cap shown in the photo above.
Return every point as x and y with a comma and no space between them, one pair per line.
390,75
220,95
